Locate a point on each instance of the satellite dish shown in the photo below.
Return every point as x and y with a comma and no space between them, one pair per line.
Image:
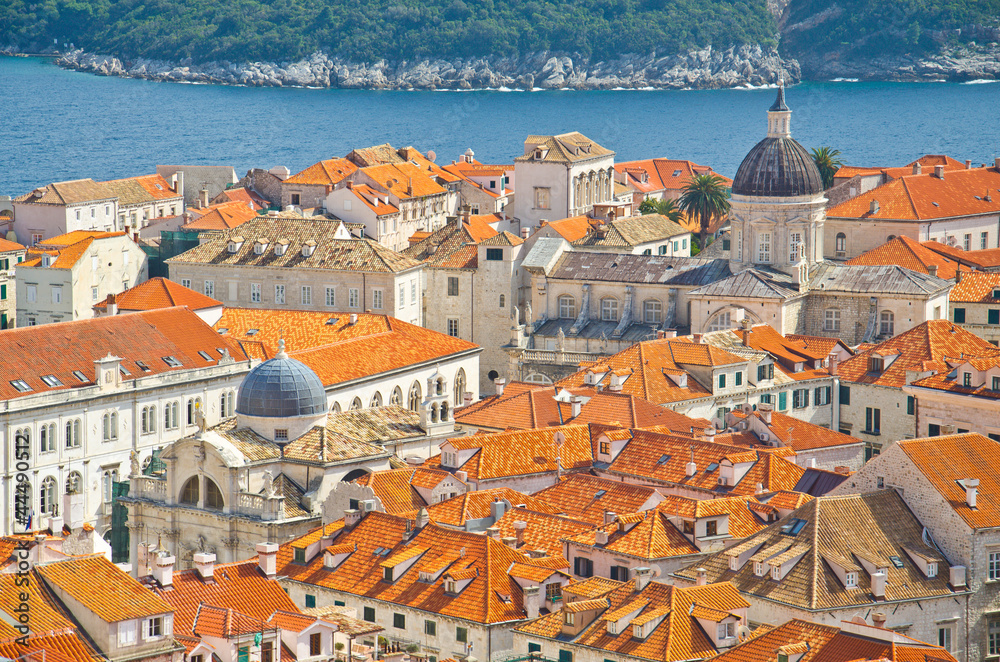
743,633
431,156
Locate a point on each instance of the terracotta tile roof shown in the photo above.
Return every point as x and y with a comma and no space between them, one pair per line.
160,293
240,586
651,537
980,259
649,360
592,587
456,511
677,637
224,216
503,239
324,173
920,350
224,623
67,248
538,452
103,588
452,247
378,343
395,488
245,195
585,497
146,337
797,358
742,520
486,561
543,531
377,201
654,175
352,627
330,253
926,197
405,180
976,287
145,189
797,434
75,192
563,148
377,154
632,231
10,246
68,647
953,382
944,461
909,254
48,616
573,228
878,523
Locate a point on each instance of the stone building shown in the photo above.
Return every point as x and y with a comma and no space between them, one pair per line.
963,397
561,176
64,207
63,277
145,198
485,188
381,218
127,383
661,179
975,304
311,187
304,264
11,255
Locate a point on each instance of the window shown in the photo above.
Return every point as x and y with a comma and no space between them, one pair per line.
126,633
567,307
800,398
462,635
213,495
662,250
911,404
553,592
944,637
503,301
967,379
619,573
711,528
652,311
996,384
494,254
32,293
110,425
152,628
794,244
739,379
452,286
831,320
783,401
583,567
331,297
565,655
726,631
960,315
886,320
534,648
186,282
993,636
765,371
243,654
609,309
453,327
377,299
296,198
967,242
541,198
766,399
226,404
279,294
604,448
399,621
46,438
413,397
721,322
353,297
873,420
266,652
993,572
764,247
841,242
47,495
722,380
210,288
993,316
402,296
851,580
845,395
822,395
73,433
57,294
413,291
148,420
190,491
430,628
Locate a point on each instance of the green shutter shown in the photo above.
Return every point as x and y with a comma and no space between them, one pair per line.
565,656
845,395
3,293
783,401
310,601
909,405
534,648
960,315
244,654
993,316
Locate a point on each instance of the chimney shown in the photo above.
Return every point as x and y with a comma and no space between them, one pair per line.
878,585
532,598
956,577
932,269
519,528
409,186
702,575
601,537
510,541
691,468
968,164
697,337
670,333
971,486
834,363
354,319
351,517
499,383
878,619
467,398
917,168
267,558
660,334
609,517
493,532
497,509
204,563
163,569
939,171
746,324
462,475
996,163
642,578
423,519
873,207
203,198
576,402
765,410
958,274
112,305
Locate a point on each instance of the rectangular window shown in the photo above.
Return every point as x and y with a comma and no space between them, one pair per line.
910,405
279,294
831,320
377,299
766,399
453,327
993,634
984,240
243,654
794,242
494,254
996,384
431,628
152,628
353,298
402,296
266,652
542,198
822,395
967,242
307,295
254,292
765,371
331,297
583,567
462,635
370,614
186,282
619,573
783,401
413,291
316,644
452,286
873,420
57,294
534,648
399,621
32,293
959,315
126,633
310,599
739,379
722,380
764,247
845,395
210,288
565,655
553,592
993,572
993,316
800,398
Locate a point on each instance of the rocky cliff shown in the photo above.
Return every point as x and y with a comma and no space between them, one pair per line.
700,69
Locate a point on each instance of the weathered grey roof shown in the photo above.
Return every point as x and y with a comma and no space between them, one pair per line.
597,329
863,279
73,192
279,388
564,148
615,267
755,283
544,253
632,231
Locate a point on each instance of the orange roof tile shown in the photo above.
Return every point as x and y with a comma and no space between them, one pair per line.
654,175
404,180
64,647
801,435
395,488
324,173
224,622
221,217
977,287
456,511
538,452
909,254
587,497
244,195
377,201
10,246
573,228
543,531
103,588
160,293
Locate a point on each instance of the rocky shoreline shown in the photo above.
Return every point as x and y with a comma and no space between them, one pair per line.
701,69
959,63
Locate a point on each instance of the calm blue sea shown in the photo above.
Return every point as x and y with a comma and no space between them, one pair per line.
57,125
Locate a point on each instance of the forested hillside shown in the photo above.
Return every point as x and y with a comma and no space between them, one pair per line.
366,30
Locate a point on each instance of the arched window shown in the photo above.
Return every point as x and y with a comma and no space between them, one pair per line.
190,491
503,301
721,322
74,483
492,375
609,309
652,311
567,307
413,400
439,386
397,397
886,323
193,405
356,404
73,433
459,387
110,425
148,420
22,440
890,237
537,378
226,404
434,413
444,411
47,496
171,418
108,479
213,495
46,437
841,242
335,408
22,493
376,400
831,319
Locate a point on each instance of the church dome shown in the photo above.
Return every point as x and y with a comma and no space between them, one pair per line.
281,388
778,166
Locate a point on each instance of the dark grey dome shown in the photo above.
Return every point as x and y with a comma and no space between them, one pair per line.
279,388
778,167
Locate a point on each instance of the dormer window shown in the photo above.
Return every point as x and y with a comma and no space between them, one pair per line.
569,618
851,580
387,574
235,244
260,246
281,247
967,379
308,248
449,586
875,365
932,569
758,568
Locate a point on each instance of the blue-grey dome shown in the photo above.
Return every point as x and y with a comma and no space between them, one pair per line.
280,388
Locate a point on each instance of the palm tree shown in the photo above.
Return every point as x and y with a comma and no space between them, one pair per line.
705,197
827,162
666,207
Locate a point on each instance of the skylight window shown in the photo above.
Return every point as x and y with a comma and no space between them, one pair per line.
172,361
51,380
223,331
252,332
677,173
122,369
221,351
79,375
793,527
600,493
663,459
377,551
712,467
896,561
142,366
203,354
332,321
20,385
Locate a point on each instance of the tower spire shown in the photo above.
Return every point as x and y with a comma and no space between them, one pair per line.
779,116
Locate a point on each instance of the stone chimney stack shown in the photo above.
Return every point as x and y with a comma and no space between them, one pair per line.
163,569
939,171
691,468
519,527
532,601
971,486
642,578
878,619
609,517
932,269
267,558
834,364
576,403
204,563
423,518
203,198
499,383
351,517
917,168
878,585
467,398
873,207
112,305
968,164
702,576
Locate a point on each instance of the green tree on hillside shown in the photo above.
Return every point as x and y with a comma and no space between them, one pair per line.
828,162
705,197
